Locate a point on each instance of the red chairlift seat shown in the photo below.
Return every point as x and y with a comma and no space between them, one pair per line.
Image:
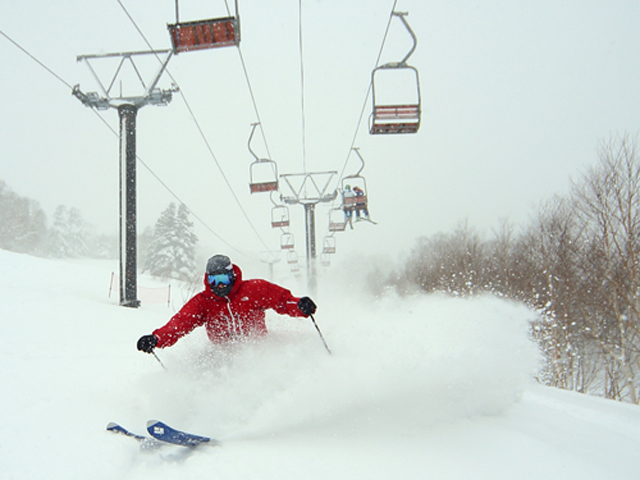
202,34
354,203
395,119
270,186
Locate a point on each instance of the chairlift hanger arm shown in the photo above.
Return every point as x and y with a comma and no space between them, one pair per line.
235,5
254,125
357,150
403,62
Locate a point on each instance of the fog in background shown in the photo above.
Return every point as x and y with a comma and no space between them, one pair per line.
516,98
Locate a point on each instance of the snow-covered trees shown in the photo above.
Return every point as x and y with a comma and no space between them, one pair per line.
577,264
22,222
68,235
23,228
172,250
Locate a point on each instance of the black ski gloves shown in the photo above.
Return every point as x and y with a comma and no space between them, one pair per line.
147,343
306,306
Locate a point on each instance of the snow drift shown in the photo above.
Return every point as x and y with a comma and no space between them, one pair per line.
418,387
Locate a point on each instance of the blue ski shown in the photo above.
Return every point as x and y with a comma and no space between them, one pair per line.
163,432
145,442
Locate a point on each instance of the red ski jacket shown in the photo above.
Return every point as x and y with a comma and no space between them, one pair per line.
239,314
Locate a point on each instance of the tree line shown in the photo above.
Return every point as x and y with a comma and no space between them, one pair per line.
577,263
24,228
168,250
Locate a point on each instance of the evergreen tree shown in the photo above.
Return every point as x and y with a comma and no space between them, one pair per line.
22,222
185,260
171,253
68,235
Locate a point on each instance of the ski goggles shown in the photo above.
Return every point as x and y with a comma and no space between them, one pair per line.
220,278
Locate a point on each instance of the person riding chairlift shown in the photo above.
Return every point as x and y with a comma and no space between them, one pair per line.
361,204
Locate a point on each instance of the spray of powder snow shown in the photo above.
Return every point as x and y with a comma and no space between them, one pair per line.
397,363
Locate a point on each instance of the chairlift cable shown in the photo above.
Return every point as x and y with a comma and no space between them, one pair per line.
366,98
253,100
116,134
173,194
20,47
36,60
304,139
201,132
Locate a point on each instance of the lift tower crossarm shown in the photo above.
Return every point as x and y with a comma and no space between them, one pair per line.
151,95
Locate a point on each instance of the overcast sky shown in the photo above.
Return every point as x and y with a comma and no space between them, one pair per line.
516,97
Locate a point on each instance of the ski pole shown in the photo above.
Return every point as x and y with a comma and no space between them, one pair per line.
320,333
158,359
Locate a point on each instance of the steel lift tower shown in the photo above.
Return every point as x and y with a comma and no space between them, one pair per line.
127,107
309,189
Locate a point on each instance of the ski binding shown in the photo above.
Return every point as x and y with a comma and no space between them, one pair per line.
164,433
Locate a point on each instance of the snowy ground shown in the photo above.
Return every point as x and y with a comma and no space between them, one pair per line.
427,387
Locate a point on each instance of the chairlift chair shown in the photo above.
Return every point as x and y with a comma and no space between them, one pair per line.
286,241
329,245
325,259
337,220
351,185
280,216
263,172
292,257
263,176
397,106
354,202
204,34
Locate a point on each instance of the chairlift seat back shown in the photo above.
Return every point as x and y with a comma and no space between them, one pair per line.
355,203
263,187
395,119
202,34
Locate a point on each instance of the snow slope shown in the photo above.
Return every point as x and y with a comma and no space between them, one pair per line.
425,387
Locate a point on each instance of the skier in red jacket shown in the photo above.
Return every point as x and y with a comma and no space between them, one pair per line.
229,307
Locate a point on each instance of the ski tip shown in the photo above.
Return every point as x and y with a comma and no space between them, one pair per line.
152,422
114,427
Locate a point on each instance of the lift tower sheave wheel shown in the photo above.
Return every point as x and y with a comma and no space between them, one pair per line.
395,93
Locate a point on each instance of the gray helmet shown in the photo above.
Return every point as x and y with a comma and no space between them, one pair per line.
219,264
